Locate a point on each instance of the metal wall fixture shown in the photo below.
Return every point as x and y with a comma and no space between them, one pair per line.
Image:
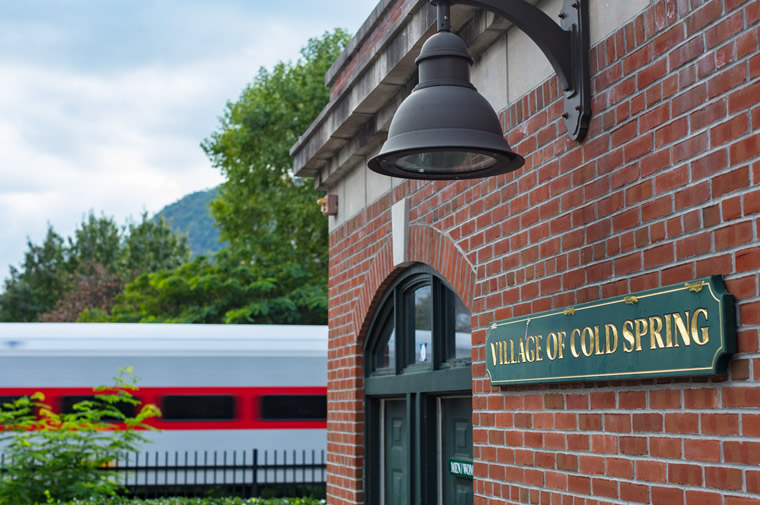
446,130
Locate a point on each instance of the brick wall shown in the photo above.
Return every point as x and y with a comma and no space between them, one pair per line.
663,190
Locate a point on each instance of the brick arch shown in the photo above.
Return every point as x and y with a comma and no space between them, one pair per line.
426,245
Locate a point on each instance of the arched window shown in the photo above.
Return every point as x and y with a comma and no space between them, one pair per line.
418,388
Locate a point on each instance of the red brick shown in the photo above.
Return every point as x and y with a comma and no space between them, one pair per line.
745,149
714,265
748,259
751,203
686,52
578,484
689,100
652,73
702,17
742,287
709,164
604,487
638,193
733,235
727,27
747,453
626,220
591,465
633,446
634,493
694,195
665,447
639,147
740,500
590,422
690,148
694,245
753,482
651,471
617,423
632,400
688,475
726,80
703,498
675,130
667,496
741,397
729,130
647,423
682,423
700,399
659,255
708,115
749,313
628,264
702,450
744,98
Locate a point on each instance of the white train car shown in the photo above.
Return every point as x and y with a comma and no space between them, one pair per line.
219,387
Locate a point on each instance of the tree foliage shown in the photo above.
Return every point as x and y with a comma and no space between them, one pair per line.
53,456
275,268
38,284
59,278
263,211
227,290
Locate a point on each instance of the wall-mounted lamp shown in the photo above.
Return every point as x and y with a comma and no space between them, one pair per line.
328,204
446,130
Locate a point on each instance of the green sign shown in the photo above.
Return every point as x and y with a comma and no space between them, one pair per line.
684,329
460,468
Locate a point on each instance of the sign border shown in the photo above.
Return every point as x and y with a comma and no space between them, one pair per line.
727,316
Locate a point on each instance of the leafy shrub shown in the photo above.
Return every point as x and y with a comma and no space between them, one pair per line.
117,500
53,456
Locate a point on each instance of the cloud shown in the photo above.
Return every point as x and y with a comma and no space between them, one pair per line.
103,105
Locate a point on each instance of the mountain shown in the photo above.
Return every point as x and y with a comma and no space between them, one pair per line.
190,214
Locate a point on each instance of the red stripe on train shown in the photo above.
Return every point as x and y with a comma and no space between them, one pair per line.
246,415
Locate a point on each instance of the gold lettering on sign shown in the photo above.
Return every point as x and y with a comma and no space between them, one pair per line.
705,331
655,327
664,331
628,336
609,327
681,327
575,353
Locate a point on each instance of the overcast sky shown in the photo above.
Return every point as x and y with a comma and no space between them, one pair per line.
103,103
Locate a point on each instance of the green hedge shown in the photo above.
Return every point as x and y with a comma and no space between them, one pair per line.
197,501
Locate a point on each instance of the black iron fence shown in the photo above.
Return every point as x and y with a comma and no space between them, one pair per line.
251,473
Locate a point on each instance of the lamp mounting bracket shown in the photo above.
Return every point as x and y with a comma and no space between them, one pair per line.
566,46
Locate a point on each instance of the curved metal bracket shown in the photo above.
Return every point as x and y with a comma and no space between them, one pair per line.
566,47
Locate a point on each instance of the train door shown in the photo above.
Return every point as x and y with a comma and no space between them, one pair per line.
418,395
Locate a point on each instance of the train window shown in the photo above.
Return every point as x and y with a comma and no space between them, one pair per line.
198,408
7,399
294,407
68,402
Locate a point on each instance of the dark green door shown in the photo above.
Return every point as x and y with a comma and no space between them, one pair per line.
456,451
396,465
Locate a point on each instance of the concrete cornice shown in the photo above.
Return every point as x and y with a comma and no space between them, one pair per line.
371,78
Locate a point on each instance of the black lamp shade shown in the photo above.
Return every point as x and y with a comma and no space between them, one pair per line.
445,129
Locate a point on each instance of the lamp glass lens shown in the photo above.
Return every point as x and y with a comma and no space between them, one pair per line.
448,162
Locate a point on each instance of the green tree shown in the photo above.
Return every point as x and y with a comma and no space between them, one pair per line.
275,268
96,241
59,279
151,245
267,215
39,284
227,290
53,456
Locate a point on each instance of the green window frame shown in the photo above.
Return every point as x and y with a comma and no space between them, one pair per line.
419,309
